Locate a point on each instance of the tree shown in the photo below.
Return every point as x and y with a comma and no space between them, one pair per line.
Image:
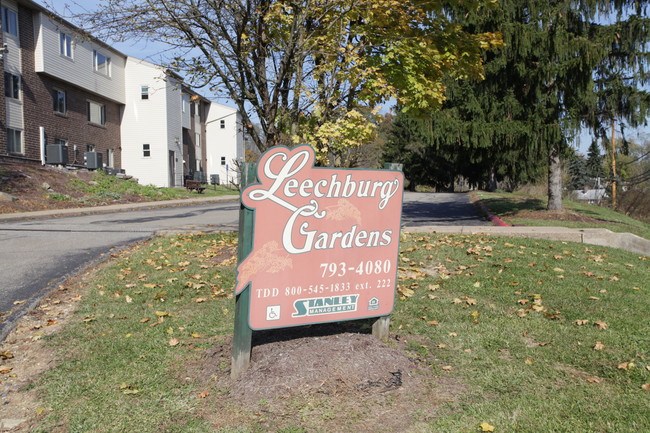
539,88
619,79
594,161
306,69
578,173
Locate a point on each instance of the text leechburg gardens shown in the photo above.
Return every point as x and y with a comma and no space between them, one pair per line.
326,241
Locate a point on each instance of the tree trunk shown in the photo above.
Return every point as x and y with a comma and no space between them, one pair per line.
554,179
614,174
493,180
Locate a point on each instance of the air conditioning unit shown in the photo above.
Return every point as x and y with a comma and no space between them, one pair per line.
57,154
93,160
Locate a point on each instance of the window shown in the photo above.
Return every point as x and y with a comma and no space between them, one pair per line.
90,147
96,113
223,124
14,141
60,101
146,150
102,63
61,141
10,21
197,140
12,85
223,160
197,113
144,92
65,45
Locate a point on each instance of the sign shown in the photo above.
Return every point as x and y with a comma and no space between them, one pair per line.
326,241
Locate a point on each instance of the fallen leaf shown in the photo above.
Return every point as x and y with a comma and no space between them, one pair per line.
144,320
6,355
470,301
529,361
625,365
485,427
195,335
645,387
581,322
204,394
594,380
5,369
447,368
20,302
162,314
173,342
128,299
601,325
199,300
433,322
599,346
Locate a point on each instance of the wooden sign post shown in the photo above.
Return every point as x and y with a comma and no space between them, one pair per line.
325,247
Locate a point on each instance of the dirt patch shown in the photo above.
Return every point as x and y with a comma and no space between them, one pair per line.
26,356
327,381
562,215
44,188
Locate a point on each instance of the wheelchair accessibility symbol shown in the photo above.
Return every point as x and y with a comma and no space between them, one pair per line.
273,312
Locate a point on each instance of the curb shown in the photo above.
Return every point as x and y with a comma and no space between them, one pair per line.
53,213
494,219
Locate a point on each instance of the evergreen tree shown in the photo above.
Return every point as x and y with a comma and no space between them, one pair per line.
594,164
539,88
578,177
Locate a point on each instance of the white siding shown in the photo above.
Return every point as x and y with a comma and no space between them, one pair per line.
185,110
174,127
79,69
146,122
223,143
12,59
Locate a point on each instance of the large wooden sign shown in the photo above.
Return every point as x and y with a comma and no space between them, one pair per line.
326,241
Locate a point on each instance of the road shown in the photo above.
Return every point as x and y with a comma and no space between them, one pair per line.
38,254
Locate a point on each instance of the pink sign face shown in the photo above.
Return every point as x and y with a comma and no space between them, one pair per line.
326,241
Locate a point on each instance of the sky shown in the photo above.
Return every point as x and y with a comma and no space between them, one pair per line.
67,8
153,52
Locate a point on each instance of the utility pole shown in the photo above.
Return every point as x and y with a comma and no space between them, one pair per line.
614,175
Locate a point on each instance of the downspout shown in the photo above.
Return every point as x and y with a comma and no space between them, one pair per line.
41,133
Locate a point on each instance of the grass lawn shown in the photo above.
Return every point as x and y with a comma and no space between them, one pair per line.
512,209
539,336
111,187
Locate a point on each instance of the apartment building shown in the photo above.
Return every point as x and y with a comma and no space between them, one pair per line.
73,100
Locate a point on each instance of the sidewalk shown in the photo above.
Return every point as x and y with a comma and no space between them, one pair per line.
21,216
602,237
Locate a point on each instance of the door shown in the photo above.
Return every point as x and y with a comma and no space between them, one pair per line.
172,169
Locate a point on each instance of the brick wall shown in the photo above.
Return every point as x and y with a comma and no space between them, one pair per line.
38,108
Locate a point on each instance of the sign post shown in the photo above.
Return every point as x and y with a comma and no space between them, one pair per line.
243,335
325,248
